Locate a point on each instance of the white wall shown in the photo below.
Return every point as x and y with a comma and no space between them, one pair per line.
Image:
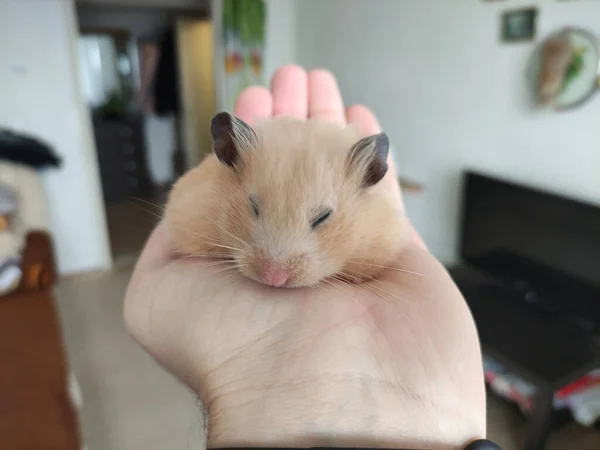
451,96
171,4
40,95
216,15
98,72
281,28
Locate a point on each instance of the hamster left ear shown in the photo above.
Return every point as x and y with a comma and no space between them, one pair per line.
231,137
369,155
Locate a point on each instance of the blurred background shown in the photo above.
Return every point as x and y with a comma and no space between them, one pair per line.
492,110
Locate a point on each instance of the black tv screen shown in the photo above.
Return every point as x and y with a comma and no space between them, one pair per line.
507,226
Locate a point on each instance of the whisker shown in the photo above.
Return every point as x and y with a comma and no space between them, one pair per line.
231,235
365,288
219,264
155,205
360,287
226,269
372,282
327,285
148,210
225,246
387,268
214,255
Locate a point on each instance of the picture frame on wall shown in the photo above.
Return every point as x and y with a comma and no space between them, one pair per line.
519,25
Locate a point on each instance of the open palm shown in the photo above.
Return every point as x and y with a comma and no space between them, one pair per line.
395,359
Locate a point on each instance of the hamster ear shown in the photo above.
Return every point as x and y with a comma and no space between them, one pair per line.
231,137
369,157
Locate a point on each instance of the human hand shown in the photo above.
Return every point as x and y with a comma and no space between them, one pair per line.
393,363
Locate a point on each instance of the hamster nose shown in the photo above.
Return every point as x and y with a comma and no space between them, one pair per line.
274,274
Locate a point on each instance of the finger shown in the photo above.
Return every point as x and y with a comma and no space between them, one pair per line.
324,97
364,119
289,90
254,103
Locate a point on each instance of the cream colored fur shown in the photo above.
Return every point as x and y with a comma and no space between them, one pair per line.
296,170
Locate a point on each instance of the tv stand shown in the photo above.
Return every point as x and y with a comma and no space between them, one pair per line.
548,349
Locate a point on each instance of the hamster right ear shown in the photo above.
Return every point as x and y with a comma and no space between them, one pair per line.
231,137
369,157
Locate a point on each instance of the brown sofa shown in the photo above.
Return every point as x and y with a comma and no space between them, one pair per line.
35,407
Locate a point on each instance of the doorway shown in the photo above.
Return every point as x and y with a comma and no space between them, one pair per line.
148,78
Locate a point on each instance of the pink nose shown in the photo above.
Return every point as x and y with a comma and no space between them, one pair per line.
274,274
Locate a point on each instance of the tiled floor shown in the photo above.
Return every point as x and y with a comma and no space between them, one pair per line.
130,403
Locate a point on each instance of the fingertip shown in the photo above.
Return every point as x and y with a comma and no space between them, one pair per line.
288,70
289,87
324,97
323,74
357,108
254,103
363,118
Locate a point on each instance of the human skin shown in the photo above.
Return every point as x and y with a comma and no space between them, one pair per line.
396,364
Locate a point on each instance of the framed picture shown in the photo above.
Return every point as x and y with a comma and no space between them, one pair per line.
519,25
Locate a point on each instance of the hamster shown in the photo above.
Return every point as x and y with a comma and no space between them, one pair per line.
289,202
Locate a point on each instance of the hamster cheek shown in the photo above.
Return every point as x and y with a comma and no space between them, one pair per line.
237,229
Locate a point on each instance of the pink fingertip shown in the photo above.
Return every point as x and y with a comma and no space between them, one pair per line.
364,119
289,88
254,103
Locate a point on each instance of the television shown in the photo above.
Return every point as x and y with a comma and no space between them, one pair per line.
546,243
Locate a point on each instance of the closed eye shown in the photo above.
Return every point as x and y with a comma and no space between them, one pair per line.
254,205
321,218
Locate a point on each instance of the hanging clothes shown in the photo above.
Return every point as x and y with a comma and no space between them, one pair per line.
28,150
149,54
166,83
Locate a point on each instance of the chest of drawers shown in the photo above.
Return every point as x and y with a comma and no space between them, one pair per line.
121,150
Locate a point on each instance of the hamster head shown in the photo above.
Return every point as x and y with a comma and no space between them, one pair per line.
290,199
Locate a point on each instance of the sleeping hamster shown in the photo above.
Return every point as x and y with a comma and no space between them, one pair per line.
289,202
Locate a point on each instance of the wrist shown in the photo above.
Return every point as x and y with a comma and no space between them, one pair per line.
355,412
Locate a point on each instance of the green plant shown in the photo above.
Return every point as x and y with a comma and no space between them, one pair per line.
114,106
575,67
